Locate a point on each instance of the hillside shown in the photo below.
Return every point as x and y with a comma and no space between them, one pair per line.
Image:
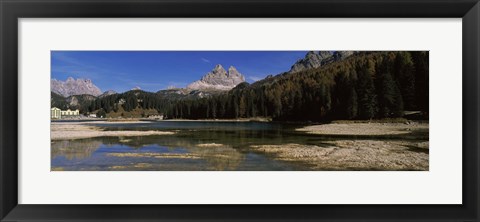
362,85
80,102
58,101
315,59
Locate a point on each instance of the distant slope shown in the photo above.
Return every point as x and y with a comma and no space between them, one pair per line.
80,102
58,101
133,103
364,85
107,93
315,59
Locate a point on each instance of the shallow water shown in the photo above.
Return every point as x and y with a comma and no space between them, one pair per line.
194,146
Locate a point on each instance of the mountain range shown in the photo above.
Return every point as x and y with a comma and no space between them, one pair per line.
218,79
73,93
73,86
321,86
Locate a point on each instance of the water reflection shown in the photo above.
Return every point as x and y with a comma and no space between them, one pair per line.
194,146
144,153
74,149
220,158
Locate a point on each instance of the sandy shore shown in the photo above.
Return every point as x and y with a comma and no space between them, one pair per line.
364,129
210,145
101,122
354,155
80,130
358,154
221,120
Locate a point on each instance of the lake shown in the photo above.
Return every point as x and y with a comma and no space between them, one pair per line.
196,145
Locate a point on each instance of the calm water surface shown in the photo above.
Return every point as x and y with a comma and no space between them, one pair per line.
190,148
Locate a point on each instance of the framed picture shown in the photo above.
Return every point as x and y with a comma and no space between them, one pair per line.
227,110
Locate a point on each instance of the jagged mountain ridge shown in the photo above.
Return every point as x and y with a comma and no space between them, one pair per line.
315,59
73,86
218,79
163,99
107,93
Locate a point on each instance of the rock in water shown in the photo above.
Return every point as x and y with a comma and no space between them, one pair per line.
218,79
73,86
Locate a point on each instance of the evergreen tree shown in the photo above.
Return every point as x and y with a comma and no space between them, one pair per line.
421,65
365,86
390,103
352,104
101,113
367,105
405,75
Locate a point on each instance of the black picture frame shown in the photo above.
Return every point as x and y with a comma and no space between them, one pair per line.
11,11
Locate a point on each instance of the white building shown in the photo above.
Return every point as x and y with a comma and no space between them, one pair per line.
68,113
56,113
158,117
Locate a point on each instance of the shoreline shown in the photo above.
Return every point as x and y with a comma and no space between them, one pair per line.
347,155
220,120
80,130
367,153
145,120
364,129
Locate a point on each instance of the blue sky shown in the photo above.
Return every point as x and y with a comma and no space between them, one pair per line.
156,70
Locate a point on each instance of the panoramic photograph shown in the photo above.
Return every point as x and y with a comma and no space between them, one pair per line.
239,110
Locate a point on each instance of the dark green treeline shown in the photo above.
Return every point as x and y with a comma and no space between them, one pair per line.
366,85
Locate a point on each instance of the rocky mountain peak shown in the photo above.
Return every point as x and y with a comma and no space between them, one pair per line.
233,72
218,79
72,86
218,68
325,54
316,59
217,72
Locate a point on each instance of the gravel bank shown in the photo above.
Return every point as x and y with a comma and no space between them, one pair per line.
354,155
364,129
80,130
